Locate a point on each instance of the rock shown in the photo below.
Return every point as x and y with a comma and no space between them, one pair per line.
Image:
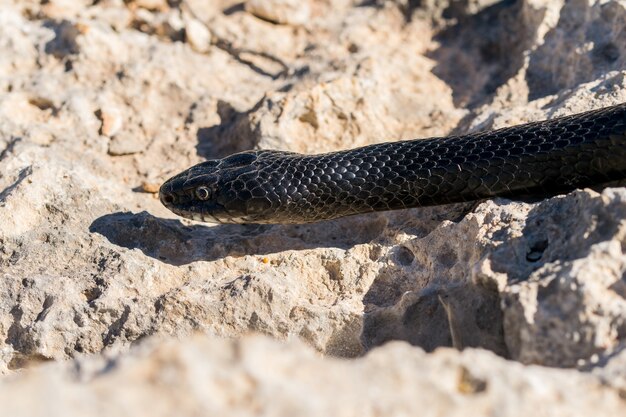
111,121
151,4
102,101
255,375
258,44
565,301
288,12
60,9
610,369
198,35
150,187
126,143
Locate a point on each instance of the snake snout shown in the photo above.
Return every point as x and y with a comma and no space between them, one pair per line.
168,193
167,199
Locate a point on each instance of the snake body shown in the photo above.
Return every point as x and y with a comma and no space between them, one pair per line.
538,158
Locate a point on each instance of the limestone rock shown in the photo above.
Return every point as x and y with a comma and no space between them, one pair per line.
258,376
198,35
291,12
102,101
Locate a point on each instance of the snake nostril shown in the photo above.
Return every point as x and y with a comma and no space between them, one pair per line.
167,198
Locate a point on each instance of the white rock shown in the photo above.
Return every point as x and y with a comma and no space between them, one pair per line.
253,376
288,12
198,35
99,103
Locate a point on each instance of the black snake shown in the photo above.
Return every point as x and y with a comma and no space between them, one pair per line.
539,158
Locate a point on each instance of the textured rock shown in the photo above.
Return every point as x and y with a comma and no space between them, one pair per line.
257,376
198,35
102,101
294,12
565,301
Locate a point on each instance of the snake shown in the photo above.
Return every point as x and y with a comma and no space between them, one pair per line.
542,158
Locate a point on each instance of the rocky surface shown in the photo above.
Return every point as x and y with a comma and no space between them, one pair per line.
102,101
258,376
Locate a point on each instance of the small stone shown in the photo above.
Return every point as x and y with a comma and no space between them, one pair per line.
286,12
150,187
111,121
156,5
198,36
61,9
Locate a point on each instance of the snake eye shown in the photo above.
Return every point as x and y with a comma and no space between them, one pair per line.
203,193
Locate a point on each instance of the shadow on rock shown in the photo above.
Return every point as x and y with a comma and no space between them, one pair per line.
436,294
172,242
233,134
425,293
483,51
580,24
64,42
560,229
460,315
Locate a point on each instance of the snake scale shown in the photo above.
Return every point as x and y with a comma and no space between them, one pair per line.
538,158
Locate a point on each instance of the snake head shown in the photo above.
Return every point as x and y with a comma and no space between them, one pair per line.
209,191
